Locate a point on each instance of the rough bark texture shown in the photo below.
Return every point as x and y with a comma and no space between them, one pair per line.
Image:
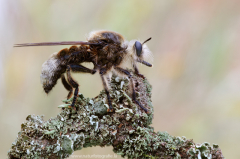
127,130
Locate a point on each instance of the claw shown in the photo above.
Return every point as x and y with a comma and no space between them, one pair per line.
74,108
140,75
110,110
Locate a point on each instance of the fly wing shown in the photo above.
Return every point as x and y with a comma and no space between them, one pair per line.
56,43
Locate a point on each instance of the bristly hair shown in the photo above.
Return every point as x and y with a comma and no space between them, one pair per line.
132,56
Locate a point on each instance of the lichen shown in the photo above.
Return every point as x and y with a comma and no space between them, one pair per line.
126,129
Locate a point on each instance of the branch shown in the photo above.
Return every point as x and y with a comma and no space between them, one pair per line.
127,129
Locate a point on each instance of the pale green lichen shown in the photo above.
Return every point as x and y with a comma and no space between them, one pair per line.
203,151
127,129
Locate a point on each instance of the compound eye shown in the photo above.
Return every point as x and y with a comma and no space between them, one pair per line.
138,47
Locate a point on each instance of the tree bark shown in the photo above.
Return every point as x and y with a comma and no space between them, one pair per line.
126,129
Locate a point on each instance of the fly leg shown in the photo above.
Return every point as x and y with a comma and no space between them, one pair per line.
126,72
67,86
71,82
102,73
136,69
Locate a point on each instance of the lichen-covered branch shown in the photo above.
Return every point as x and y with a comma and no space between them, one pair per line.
127,129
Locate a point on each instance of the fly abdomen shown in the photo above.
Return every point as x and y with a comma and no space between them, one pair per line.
52,69
56,65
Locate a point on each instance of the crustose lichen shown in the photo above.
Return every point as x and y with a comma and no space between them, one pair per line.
127,129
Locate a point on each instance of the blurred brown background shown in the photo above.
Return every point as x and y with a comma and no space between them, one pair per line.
196,73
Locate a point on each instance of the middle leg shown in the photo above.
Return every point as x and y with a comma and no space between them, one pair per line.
102,73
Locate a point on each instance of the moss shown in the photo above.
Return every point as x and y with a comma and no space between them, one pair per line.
127,129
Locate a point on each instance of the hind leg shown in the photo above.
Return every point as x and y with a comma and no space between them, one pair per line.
137,71
67,86
73,83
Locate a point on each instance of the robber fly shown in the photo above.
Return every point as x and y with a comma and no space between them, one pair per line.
107,50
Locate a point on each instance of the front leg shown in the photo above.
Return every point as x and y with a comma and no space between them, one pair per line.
137,71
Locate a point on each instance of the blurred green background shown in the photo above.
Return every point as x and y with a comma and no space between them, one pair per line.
196,73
